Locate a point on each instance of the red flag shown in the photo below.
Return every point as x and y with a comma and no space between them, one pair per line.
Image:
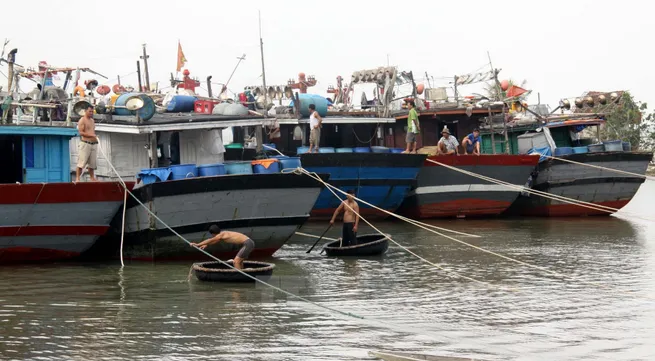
181,60
515,91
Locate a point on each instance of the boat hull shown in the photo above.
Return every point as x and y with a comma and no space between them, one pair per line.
443,192
583,183
268,208
381,179
367,245
43,222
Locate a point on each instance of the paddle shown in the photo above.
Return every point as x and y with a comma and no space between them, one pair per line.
319,238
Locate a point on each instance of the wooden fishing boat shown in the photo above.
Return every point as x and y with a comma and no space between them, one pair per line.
367,245
219,272
401,356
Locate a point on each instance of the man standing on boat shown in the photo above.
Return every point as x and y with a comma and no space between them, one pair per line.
315,123
350,219
413,128
87,148
447,144
471,143
247,244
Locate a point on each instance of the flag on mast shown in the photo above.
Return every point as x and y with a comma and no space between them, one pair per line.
181,60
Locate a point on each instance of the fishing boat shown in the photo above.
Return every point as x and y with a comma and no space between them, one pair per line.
573,163
403,356
442,192
43,215
367,245
219,272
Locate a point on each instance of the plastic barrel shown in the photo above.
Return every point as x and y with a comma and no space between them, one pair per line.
397,150
265,166
378,149
183,171
596,148
627,146
289,162
326,150
319,102
613,146
580,150
563,151
238,167
344,150
362,150
145,113
302,150
181,104
209,170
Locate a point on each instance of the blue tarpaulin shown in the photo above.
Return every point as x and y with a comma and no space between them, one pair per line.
161,173
543,153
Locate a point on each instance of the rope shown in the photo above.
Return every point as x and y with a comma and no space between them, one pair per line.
123,226
315,236
647,177
212,256
402,217
329,187
563,199
553,273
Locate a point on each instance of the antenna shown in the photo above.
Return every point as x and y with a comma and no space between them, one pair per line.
261,46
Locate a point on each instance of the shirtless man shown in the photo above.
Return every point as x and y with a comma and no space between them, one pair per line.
350,219
247,244
87,148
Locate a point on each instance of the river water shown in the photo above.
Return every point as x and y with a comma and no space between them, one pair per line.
604,310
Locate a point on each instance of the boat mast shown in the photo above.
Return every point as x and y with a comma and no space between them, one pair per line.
145,68
498,91
258,128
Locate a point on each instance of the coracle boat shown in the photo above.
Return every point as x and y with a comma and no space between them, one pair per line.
367,245
219,272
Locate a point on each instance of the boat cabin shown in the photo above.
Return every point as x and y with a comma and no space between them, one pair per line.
35,154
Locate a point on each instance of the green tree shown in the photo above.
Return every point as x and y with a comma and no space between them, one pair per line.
629,122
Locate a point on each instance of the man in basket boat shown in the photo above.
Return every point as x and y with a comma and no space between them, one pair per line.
350,219
247,244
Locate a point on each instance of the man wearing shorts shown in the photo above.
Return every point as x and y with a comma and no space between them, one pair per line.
315,121
247,244
412,128
87,148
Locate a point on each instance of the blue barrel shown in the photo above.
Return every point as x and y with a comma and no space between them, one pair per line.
302,150
145,113
613,146
181,104
265,166
152,175
183,171
378,149
344,150
238,167
362,150
580,150
596,148
397,150
289,162
563,151
209,170
627,146
319,102
326,150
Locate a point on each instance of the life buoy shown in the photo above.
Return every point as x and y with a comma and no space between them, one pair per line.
79,90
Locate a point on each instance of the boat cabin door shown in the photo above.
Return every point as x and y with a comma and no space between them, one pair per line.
46,159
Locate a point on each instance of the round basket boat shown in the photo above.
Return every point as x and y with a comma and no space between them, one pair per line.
367,245
219,272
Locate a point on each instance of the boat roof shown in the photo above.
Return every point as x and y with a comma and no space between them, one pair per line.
340,120
572,122
38,130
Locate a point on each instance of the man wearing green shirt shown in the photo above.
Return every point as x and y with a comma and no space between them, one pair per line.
413,128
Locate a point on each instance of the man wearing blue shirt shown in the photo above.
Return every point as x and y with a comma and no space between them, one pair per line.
471,143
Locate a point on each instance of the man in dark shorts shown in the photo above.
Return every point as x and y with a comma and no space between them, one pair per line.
350,219
247,244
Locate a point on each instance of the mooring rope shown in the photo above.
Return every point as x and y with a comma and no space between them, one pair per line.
314,176
553,273
123,224
644,176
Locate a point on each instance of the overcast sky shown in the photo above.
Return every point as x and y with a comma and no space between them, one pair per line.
562,48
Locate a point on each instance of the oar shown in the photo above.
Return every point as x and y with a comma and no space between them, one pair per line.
319,238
